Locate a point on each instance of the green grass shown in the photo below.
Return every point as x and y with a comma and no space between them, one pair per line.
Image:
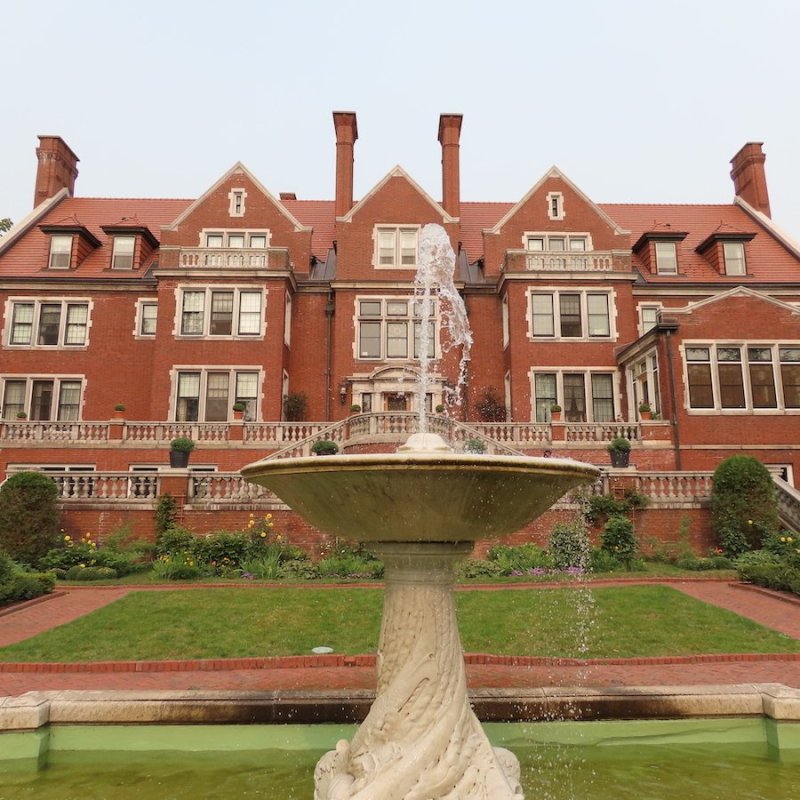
635,621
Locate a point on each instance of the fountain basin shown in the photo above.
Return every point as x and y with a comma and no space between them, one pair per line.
418,496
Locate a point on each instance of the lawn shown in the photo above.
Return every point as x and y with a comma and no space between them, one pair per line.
613,622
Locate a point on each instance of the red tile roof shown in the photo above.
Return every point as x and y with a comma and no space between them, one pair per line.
29,255
320,215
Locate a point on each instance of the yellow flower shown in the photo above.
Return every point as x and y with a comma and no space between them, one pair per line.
789,539
251,523
783,538
263,535
269,516
67,538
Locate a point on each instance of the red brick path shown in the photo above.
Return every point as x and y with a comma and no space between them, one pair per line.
334,672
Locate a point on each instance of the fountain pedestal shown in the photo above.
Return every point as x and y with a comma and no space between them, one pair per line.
421,738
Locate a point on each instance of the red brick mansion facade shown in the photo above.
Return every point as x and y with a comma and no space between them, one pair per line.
302,311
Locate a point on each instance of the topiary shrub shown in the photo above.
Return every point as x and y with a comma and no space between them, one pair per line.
569,545
744,509
29,516
618,539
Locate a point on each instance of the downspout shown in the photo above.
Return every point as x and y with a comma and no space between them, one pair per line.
330,307
668,326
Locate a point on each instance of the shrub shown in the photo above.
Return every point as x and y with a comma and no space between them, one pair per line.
166,514
743,504
177,566
175,540
620,444
25,586
295,406
520,560
601,560
29,516
569,545
478,568
79,573
489,405
7,567
618,539
600,506
183,444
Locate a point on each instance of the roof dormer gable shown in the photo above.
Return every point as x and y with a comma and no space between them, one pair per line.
70,242
390,198
726,250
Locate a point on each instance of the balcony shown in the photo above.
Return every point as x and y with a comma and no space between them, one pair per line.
563,261
235,258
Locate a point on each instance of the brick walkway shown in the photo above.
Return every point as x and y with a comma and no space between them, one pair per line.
336,672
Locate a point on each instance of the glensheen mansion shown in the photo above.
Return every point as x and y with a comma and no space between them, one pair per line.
256,323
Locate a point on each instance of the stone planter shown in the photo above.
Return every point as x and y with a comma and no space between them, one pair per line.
620,458
179,459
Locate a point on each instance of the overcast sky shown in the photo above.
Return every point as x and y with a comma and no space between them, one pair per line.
635,101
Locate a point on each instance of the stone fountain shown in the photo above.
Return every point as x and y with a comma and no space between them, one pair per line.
420,510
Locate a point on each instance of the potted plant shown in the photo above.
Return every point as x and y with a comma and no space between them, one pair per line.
238,410
179,450
119,411
620,451
355,408
555,412
21,415
645,411
475,446
440,409
324,447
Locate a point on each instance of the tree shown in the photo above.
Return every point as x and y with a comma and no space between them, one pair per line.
744,507
29,516
5,225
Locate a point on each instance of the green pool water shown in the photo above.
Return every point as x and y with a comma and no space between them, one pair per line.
649,760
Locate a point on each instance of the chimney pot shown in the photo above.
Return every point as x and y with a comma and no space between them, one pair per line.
750,178
346,135
57,169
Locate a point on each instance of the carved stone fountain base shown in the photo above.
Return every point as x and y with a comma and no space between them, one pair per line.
421,739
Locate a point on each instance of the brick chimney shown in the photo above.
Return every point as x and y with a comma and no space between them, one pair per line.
749,177
346,136
58,168
449,136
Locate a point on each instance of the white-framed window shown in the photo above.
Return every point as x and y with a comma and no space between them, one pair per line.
122,253
742,376
666,258
42,398
555,205
220,312
584,395
396,246
390,328
648,316
733,255
235,238
644,384
208,395
543,242
48,323
60,251
571,314
236,198
146,318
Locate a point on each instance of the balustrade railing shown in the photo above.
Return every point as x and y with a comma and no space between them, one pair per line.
600,432
565,261
54,431
102,487
228,488
788,503
235,257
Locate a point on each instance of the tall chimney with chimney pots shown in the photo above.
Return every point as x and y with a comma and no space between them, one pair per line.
346,136
57,169
749,177
449,136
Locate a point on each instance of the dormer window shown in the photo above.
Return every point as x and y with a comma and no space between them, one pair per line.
666,258
733,254
122,254
537,242
60,252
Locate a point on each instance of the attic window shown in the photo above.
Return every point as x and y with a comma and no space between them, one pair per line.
237,197
666,258
555,205
60,252
122,255
733,253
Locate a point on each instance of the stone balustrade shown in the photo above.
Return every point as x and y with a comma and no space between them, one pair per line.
565,261
235,258
107,487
